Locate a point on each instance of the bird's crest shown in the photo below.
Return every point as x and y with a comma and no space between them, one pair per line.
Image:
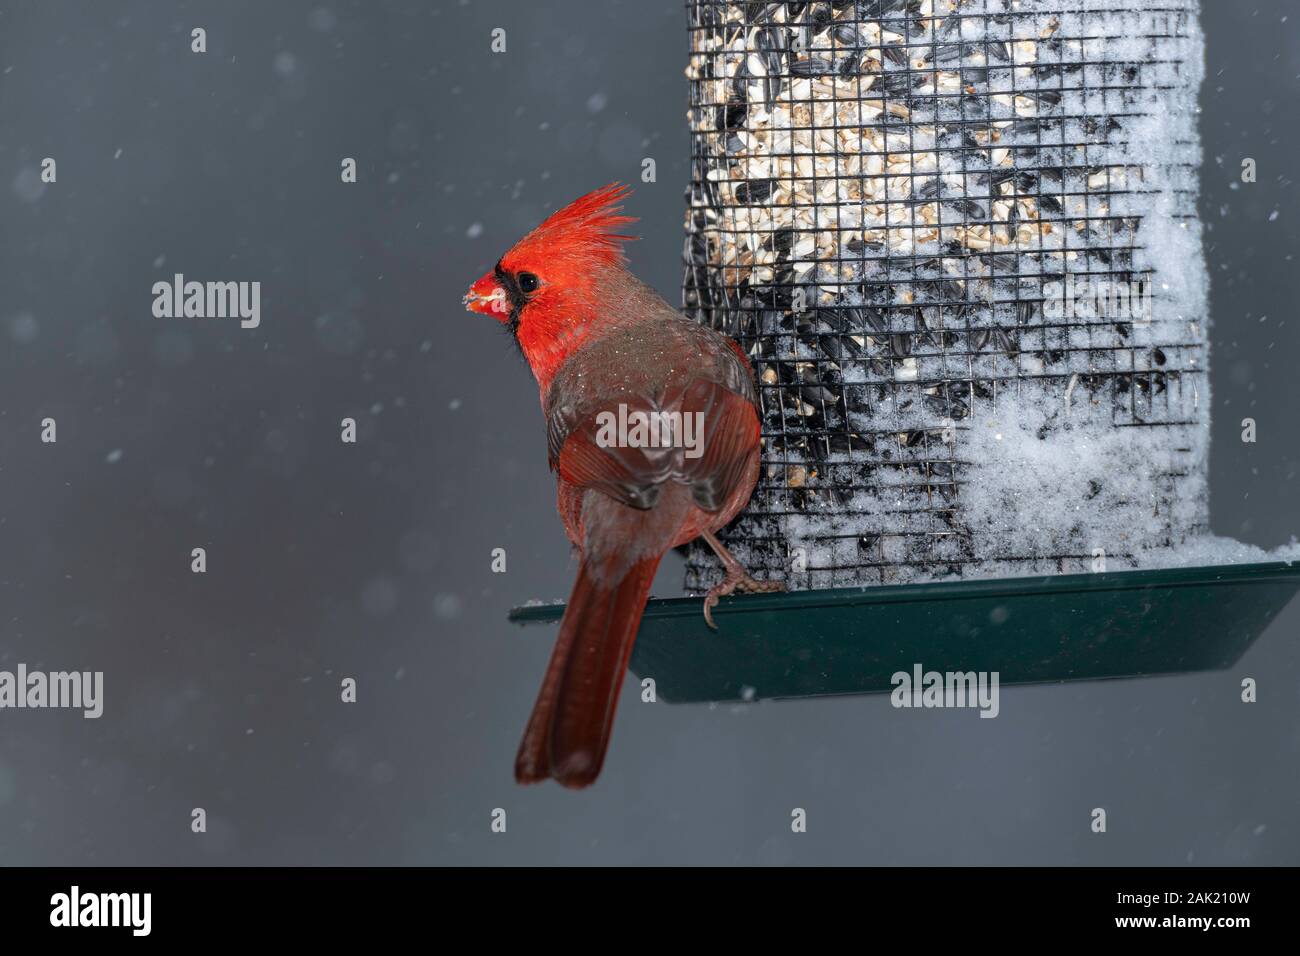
584,229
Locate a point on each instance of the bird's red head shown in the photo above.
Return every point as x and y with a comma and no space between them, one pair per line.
546,289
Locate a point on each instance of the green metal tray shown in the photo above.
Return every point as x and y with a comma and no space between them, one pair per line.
1029,630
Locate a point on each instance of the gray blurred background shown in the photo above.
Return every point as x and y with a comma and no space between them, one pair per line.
372,560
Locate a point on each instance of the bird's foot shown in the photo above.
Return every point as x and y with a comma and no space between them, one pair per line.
737,579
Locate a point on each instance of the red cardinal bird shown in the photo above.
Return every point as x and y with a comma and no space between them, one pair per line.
606,348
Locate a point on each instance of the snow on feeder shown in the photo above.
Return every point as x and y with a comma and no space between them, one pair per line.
958,239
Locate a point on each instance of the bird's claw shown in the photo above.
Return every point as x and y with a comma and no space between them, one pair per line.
737,580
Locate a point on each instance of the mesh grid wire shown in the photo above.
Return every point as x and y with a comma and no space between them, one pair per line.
883,195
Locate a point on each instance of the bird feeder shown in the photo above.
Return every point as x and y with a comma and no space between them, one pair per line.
958,241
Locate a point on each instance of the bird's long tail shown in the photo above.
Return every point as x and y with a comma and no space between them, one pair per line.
569,730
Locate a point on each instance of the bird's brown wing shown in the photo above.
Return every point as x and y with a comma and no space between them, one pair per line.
687,370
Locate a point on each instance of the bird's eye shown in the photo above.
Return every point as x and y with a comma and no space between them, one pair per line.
528,282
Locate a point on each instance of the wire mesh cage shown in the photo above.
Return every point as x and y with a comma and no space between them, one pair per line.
958,240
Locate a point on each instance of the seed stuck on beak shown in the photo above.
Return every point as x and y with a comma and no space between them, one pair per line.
488,298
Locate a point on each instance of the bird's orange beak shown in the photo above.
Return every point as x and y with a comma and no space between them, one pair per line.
487,297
